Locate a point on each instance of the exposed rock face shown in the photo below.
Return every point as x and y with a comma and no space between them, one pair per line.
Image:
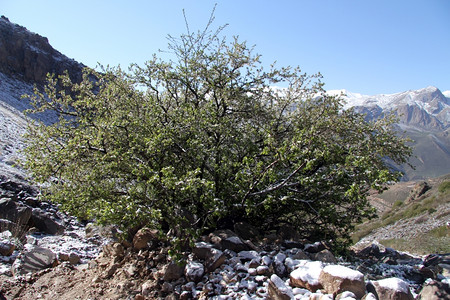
30,56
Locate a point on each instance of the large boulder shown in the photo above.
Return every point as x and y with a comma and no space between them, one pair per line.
32,260
307,275
392,289
435,290
45,222
336,279
15,212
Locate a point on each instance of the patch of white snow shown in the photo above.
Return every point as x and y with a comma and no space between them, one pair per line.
343,272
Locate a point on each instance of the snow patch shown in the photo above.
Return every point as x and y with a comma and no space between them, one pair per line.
308,271
446,94
343,272
395,284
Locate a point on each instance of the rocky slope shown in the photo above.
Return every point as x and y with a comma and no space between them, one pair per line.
29,57
414,217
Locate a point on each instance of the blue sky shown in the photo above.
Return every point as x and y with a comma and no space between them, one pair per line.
369,47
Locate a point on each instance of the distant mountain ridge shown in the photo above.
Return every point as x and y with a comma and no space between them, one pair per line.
425,108
424,115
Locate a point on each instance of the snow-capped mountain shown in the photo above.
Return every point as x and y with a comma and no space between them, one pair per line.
424,116
427,108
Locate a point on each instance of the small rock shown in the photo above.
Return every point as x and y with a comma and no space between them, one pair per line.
234,243
314,248
346,296
369,296
214,259
252,272
194,271
278,290
148,287
113,250
325,256
248,255
373,250
173,271
201,250
300,254
7,248
139,297
167,287
74,258
111,270
186,295
262,270
143,237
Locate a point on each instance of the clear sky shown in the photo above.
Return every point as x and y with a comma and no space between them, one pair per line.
364,46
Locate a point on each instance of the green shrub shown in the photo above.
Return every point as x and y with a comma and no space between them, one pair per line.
204,140
444,187
397,204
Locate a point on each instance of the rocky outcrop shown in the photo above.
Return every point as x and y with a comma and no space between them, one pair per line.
20,209
30,57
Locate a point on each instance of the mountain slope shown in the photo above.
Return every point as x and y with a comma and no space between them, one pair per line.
424,116
413,217
25,60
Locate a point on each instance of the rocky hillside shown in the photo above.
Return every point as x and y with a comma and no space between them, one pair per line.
29,57
414,216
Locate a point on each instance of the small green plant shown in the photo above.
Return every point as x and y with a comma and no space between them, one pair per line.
440,232
397,204
444,187
14,233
